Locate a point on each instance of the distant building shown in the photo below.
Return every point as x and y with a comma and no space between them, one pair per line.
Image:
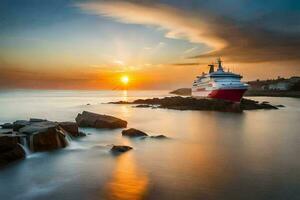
282,85
274,84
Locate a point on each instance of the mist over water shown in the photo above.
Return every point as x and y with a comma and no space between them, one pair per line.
211,155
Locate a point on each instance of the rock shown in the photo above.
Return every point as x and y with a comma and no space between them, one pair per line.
82,134
37,120
182,91
89,119
159,137
20,124
265,102
70,127
10,150
133,133
7,126
280,106
44,136
190,103
248,104
5,131
120,148
143,106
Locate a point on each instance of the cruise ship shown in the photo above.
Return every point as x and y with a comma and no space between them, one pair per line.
219,84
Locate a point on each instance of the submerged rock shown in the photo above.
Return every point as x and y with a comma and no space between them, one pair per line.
159,137
10,149
143,106
120,148
89,119
133,133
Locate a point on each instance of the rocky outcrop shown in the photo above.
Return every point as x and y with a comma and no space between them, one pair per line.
182,92
89,119
132,132
45,136
248,104
71,128
120,148
190,103
10,149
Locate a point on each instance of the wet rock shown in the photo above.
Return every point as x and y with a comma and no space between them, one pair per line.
190,103
82,134
37,120
89,119
159,137
10,149
120,148
20,124
248,104
7,126
5,131
133,133
44,136
70,127
143,106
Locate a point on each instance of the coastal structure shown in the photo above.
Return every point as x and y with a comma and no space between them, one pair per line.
219,85
279,84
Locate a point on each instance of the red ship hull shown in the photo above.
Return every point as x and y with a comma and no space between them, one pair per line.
228,94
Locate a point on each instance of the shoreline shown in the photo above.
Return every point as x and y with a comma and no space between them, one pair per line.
249,93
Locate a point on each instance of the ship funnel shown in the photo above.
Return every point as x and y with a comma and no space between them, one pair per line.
211,68
220,68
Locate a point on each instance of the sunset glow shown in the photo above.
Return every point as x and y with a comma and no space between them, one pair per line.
125,79
163,44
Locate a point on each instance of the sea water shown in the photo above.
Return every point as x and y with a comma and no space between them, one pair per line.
210,155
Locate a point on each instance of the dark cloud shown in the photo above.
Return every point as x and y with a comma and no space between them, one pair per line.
247,32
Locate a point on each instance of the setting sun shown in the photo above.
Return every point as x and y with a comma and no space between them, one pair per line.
125,79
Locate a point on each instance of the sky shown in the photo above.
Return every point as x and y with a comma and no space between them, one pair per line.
158,44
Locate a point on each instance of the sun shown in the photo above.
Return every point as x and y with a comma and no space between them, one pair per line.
125,79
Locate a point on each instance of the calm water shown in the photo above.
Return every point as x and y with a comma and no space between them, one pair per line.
212,155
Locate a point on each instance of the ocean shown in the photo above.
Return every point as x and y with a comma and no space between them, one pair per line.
210,155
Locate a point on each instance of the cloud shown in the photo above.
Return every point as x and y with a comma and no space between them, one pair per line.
232,39
178,24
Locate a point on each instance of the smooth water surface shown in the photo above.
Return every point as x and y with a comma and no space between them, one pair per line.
211,155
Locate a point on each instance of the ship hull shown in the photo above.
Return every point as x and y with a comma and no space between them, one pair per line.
234,95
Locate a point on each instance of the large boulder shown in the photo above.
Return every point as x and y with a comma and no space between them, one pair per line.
70,127
89,119
10,149
132,132
44,136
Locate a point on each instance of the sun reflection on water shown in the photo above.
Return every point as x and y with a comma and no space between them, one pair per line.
127,181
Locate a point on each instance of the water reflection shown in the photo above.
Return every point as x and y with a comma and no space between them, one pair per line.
124,95
127,182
